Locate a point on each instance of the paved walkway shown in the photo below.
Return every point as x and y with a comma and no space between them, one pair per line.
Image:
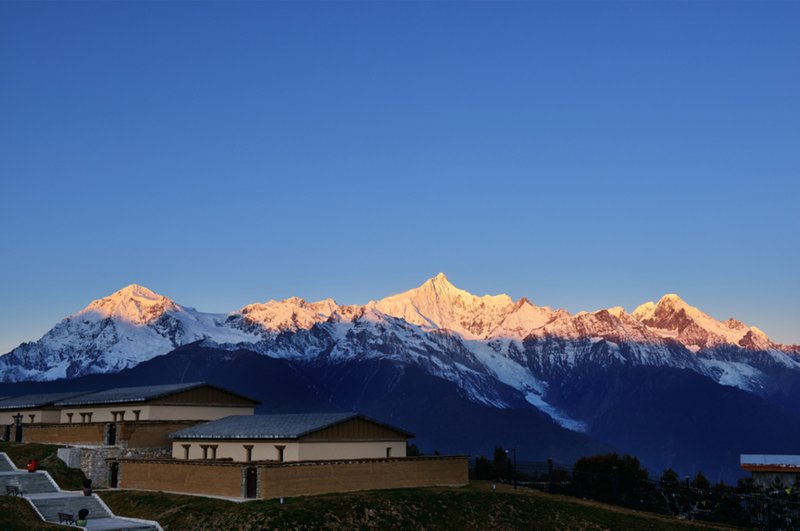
49,500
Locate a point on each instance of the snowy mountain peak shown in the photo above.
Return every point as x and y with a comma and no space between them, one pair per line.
440,277
672,317
670,302
132,304
644,311
291,314
616,311
441,287
438,304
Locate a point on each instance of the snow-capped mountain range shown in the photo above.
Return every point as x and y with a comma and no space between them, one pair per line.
486,345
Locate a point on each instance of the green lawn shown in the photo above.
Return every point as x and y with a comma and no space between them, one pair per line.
473,507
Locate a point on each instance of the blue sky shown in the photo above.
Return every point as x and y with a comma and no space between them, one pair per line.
584,155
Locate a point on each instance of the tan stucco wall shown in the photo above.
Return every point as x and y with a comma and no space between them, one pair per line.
315,451
262,451
346,476
46,415
103,414
294,450
153,412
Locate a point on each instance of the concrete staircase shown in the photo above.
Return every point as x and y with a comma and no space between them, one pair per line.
49,506
28,483
48,500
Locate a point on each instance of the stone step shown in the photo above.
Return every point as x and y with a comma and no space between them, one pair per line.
29,483
5,463
50,505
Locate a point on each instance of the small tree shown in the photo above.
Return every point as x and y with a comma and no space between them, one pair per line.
670,479
501,464
412,450
700,482
746,485
612,478
483,468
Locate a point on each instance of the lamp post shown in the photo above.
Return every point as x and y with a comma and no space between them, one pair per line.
514,450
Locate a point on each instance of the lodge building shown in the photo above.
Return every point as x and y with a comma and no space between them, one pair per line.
32,409
285,438
766,469
190,401
197,438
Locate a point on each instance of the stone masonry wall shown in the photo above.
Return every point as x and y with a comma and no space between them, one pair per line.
96,461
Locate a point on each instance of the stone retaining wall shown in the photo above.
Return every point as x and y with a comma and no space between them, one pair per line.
95,462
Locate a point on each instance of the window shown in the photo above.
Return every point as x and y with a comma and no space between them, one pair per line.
136,412
248,448
69,417
280,449
389,451
186,450
213,451
205,450
32,417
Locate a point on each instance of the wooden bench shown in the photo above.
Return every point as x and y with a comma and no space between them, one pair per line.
66,518
13,490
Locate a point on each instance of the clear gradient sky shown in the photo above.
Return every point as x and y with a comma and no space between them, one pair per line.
584,155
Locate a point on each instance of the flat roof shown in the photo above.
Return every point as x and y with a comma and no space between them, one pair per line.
289,426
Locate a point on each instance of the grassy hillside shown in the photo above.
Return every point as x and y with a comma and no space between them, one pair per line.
473,507
67,478
16,514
